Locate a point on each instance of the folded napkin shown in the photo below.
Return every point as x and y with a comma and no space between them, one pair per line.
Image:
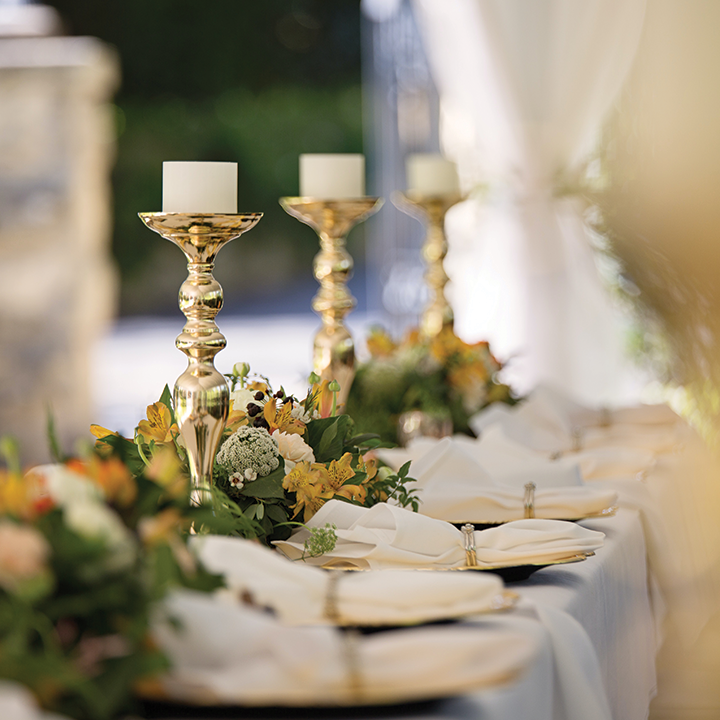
455,487
385,536
613,462
229,654
298,593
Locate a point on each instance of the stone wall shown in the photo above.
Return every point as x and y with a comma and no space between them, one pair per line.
58,285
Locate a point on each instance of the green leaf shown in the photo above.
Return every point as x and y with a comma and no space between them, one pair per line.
404,470
364,439
326,437
269,486
166,399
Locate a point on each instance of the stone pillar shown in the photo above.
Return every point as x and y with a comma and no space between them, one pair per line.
58,284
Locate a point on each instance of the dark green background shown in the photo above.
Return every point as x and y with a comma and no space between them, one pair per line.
255,83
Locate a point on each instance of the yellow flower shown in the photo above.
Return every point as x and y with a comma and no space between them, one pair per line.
158,426
368,464
166,470
235,419
161,528
380,344
336,476
19,495
311,492
282,420
338,472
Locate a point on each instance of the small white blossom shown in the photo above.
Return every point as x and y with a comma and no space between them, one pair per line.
249,448
250,474
237,481
298,412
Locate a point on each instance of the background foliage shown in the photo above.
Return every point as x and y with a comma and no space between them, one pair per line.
253,82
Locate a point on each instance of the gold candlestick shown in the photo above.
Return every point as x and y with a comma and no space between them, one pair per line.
201,395
430,210
332,220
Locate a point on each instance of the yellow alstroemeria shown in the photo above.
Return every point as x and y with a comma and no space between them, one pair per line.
158,426
161,528
336,475
235,419
18,494
166,470
367,464
311,492
282,419
446,344
466,376
380,344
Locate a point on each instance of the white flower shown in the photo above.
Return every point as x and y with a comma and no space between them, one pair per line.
237,480
250,474
293,449
249,448
96,521
23,554
241,397
298,412
66,487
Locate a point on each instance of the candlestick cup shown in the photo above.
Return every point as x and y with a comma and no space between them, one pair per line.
201,395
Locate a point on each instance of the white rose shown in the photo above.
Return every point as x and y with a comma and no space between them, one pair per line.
293,449
65,487
96,521
241,397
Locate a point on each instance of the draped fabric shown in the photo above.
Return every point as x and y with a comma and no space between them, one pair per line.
524,88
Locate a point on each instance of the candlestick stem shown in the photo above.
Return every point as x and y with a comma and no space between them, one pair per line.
201,395
431,210
333,346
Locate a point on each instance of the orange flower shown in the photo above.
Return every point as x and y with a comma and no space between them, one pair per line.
112,475
158,426
235,419
322,398
161,528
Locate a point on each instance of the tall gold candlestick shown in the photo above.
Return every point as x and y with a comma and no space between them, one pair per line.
332,220
201,395
431,210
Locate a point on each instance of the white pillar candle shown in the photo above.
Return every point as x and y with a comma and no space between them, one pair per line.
328,177
200,187
429,174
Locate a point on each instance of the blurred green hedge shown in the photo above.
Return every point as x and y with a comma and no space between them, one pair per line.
256,83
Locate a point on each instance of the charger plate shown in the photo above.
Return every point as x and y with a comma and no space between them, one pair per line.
509,573
606,512
386,668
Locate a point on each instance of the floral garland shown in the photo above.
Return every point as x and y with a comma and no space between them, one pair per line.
443,376
280,459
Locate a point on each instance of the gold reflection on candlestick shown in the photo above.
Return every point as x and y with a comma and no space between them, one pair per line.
333,347
430,210
201,395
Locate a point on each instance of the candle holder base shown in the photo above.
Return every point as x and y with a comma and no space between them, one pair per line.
332,220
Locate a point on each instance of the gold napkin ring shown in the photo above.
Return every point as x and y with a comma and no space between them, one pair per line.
529,500
577,438
331,609
351,655
468,531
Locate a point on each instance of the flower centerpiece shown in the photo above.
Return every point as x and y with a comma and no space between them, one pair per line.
442,376
87,547
280,458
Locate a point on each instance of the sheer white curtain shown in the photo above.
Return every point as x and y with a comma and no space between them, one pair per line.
524,88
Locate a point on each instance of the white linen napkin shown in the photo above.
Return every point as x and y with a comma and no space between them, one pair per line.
229,654
454,487
613,462
298,592
385,536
